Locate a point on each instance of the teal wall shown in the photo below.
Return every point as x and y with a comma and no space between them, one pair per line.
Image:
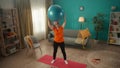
91,8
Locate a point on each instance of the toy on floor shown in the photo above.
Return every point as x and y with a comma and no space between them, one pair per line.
96,61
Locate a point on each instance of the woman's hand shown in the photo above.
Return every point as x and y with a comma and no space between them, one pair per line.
49,24
64,23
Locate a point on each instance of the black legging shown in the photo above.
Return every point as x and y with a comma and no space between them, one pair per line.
62,46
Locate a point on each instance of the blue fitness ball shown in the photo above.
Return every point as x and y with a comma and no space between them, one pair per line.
55,13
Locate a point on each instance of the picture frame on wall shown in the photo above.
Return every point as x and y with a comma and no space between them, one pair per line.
81,8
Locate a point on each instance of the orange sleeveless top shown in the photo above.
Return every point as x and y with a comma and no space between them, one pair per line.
58,34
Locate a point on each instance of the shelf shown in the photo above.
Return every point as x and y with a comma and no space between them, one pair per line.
115,37
16,42
9,31
13,44
6,54
115,31
8,28
11,36
115,25
115,41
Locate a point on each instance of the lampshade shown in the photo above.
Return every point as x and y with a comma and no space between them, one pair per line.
81,19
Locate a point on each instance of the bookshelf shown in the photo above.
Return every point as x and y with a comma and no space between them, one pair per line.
9,32
114,28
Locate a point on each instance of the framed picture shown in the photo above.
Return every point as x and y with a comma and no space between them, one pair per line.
81,8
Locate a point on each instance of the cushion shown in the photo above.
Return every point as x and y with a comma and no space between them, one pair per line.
85,33
29,40
82,36
79,41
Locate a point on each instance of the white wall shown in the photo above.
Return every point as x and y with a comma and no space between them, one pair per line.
6,4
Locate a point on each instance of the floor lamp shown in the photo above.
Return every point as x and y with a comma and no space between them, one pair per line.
81,20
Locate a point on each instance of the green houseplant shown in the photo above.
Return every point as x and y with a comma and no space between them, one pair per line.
98,21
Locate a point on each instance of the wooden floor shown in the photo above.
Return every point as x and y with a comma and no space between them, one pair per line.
74,53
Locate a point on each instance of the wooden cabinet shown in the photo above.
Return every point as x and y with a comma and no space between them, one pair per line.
9,32
114,28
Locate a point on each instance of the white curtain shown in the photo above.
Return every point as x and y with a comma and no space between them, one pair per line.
38,9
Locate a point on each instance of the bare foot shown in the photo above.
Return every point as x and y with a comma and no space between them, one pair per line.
52,61
66,62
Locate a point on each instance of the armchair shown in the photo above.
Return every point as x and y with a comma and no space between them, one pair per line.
32,43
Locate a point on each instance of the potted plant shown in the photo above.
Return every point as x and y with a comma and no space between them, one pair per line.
98,21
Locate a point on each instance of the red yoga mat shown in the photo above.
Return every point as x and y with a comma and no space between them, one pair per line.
59,63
